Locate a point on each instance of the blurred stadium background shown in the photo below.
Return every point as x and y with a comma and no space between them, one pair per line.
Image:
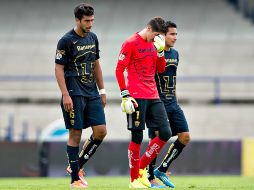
215,84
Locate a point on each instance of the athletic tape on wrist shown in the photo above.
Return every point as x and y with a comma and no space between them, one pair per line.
102,91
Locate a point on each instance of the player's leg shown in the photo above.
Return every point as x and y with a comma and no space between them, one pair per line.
179,127
150,168
72,152
152,133
157,115
134,158
73,122
95,117
90,146
136,125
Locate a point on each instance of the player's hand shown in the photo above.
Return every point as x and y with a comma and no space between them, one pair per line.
103,97
128,104
67,103
103,100
159,44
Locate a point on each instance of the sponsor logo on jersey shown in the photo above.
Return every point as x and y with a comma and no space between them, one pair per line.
80,48
171,60
144,50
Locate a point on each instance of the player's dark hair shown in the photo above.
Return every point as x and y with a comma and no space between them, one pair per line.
83,9
170,24
157,24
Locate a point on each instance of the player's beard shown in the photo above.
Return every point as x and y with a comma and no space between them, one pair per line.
86,30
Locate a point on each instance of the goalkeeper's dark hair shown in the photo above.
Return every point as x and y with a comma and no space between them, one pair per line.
83,9
170,24
157,24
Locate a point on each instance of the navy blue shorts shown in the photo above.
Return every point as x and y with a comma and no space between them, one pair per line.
177,120
87,111
151,113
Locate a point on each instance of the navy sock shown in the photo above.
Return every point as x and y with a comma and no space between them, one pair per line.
150,169
72,153
174,150
89,148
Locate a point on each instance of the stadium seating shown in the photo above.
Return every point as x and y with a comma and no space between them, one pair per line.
214,40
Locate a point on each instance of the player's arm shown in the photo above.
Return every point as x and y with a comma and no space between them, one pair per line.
99,81
98,73
61,60
159,44
120,68
124,59
128,103
161,64
67,101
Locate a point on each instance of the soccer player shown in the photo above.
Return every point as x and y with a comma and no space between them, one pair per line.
78,73
166,84
142,56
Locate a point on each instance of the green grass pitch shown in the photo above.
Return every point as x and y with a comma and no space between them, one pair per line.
121,183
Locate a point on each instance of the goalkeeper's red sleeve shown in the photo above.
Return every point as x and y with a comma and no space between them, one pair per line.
120,76
161,64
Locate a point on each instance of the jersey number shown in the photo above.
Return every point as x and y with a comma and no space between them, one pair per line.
169,86
87,72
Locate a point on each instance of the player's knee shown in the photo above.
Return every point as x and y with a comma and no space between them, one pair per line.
152,133
137,136
100,134
165,133
74,140
184,138
187,138
74,137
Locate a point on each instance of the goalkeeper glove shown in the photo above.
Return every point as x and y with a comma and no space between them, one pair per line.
128,104
159,44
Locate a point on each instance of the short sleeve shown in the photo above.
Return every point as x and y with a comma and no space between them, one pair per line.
177,56
97,48
61,57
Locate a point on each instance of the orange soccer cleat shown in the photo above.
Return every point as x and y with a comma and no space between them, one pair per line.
77,185
81,175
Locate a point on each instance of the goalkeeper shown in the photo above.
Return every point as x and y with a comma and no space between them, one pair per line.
142,56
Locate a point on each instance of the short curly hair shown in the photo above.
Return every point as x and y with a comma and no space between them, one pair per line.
158,25
83,9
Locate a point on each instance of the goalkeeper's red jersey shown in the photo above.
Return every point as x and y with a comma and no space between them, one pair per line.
141,61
